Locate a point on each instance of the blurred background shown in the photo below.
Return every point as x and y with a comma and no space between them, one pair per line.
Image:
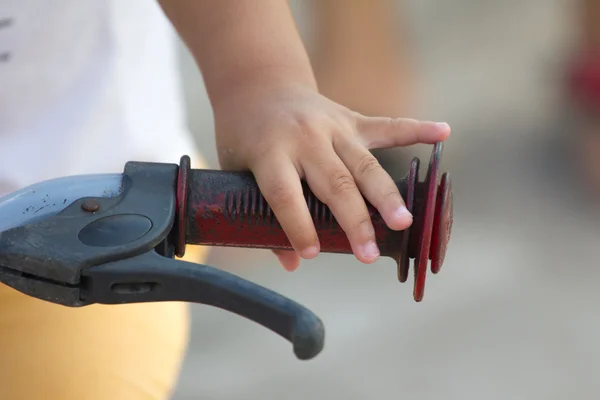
514,312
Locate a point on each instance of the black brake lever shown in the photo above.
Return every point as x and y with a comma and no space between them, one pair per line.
152,277
116,250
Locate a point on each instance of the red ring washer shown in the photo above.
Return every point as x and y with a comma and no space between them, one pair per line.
404,262
181,204
431,183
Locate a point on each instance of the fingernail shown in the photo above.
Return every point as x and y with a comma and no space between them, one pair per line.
309,252
443,125
370,250
402,212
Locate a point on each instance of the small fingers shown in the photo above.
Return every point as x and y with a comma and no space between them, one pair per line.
382,132
374,182
280,184
334,185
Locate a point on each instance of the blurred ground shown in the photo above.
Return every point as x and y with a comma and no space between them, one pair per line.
513,313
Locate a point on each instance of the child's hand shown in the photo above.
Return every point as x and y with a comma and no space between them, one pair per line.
271,119
284,132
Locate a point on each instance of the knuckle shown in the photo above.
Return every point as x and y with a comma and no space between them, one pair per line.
392,193
400,126
308,125
313,127
264,148
280,195
344,123
363,220
341,182
305,122
367,165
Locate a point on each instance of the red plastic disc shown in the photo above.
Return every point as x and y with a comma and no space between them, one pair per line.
442,226
431,185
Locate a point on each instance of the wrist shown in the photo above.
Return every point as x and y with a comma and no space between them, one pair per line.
250,84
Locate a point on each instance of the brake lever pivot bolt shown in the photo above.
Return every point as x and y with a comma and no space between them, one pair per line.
90,205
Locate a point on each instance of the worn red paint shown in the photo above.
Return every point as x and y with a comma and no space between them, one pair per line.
227,209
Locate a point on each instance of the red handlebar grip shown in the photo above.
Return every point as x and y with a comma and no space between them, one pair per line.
227,209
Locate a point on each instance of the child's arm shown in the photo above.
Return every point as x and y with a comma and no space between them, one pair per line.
270,118
237,42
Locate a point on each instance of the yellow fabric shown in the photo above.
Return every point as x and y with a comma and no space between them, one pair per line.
115,352
108,352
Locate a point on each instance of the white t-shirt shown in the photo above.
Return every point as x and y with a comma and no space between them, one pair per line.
85,86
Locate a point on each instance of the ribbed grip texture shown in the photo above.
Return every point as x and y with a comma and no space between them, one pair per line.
228,209
248,205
